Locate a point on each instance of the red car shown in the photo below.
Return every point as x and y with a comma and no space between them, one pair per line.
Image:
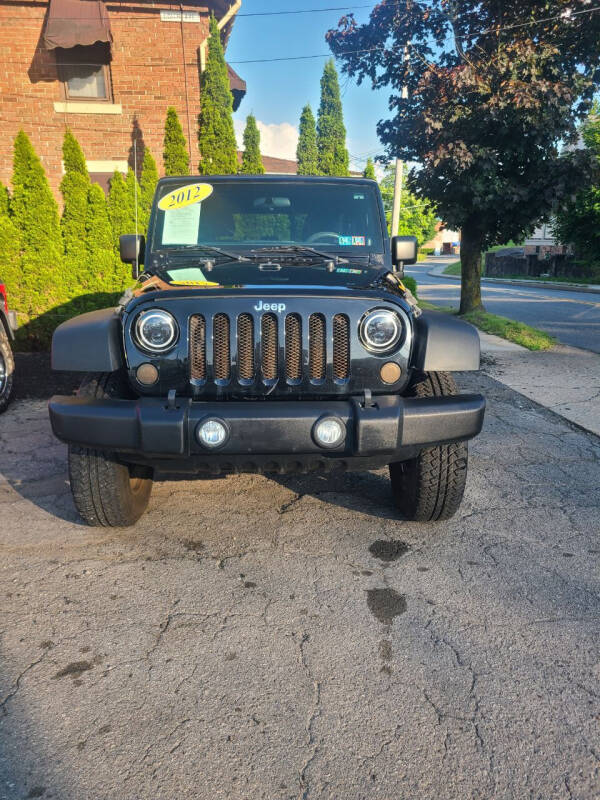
8,324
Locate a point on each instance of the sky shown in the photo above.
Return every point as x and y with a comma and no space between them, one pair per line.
278,91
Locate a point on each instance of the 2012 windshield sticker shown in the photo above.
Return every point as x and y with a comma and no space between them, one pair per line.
352,241
185,196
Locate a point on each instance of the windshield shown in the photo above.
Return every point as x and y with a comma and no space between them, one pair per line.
340,216
280,231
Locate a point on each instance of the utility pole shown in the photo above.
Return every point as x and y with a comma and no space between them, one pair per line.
397,196
399,180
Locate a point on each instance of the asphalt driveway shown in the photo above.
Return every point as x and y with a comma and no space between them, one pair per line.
293,638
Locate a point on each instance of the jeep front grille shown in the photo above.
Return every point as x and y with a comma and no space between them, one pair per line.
246,347
317,347
293,347
221,348
267,348
341,347
198,348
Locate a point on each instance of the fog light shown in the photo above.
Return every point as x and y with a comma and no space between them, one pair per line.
390,372
147,374
329,432
212,433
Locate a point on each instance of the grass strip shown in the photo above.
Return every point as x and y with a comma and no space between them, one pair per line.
452,269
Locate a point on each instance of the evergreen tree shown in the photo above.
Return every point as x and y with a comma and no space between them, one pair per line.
4,199
251,158
74,187
121,213
306,153
369,171
148,181
100,273
10,248
34,213
331,133
175,153
216,136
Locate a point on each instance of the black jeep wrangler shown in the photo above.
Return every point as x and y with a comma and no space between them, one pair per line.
269,332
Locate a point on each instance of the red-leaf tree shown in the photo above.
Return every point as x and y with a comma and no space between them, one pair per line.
494,92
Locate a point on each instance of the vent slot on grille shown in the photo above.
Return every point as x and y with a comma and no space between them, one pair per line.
221,348
198,348
269,347
293,348
341,347
246,347
317,353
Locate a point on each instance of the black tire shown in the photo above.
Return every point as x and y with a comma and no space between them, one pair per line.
106,492
7,370
430,487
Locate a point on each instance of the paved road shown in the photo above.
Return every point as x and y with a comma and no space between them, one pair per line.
293,638
573,317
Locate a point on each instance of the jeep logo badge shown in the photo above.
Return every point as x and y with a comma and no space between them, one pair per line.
260,306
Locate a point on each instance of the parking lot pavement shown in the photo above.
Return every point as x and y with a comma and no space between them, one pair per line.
293,638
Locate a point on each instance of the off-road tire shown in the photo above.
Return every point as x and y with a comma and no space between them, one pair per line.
430,487
106,492
7,369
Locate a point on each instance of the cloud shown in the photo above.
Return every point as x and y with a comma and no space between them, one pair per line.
277,139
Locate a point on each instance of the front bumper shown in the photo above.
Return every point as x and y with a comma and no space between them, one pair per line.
389,429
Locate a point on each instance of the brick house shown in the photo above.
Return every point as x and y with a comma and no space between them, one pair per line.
107,70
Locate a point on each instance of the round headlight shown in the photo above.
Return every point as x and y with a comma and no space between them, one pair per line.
156,330
380,330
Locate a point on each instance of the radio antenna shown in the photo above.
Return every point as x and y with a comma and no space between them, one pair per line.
135,194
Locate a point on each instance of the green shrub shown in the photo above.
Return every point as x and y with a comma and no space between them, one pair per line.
148,181
331,131
251,158
4,199
10,248
74,187
307,155
410,284
216,136
175,152
34,212
369,170
99,244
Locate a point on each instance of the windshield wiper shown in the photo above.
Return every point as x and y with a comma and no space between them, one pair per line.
296,248
210,249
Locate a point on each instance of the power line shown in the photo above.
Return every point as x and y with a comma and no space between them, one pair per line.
150,15
565,16
302,11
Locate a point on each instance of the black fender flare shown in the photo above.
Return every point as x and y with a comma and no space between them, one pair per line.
445,344
89,343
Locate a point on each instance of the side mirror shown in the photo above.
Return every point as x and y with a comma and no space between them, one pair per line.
131,250
404,251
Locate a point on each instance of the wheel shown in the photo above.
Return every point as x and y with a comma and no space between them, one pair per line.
7,368
430,487
106,492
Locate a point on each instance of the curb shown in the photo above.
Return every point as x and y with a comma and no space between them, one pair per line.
565,287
